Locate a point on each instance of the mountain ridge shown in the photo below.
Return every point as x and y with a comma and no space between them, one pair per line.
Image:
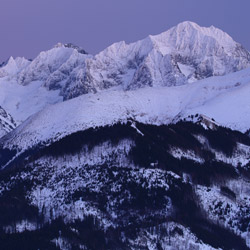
160,60
67,71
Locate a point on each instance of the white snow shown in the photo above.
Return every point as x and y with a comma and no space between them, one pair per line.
138,131
241,155
23,101
155,58
13,66
167,59
186,70
7,123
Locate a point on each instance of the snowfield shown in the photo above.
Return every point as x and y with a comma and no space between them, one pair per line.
24,101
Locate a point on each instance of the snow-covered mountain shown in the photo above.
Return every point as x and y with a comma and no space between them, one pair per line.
23,101
150,152
53,67
183,54
27,87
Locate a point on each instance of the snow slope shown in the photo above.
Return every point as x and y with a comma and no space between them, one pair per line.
226,100
23,101
212,97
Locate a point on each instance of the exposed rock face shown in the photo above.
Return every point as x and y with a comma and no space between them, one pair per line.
7,123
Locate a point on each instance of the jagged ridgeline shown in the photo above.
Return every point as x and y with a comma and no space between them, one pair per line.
185,53
129,186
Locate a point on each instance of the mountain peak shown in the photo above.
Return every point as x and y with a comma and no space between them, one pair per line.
193,31
70,46
13,66
11,60
188,24
59,45
185,53
73,46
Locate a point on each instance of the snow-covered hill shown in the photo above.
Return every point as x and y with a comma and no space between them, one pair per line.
223,98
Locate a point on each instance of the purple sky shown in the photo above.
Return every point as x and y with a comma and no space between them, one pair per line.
30,26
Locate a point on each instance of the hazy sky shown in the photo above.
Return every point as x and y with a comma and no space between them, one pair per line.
30,26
